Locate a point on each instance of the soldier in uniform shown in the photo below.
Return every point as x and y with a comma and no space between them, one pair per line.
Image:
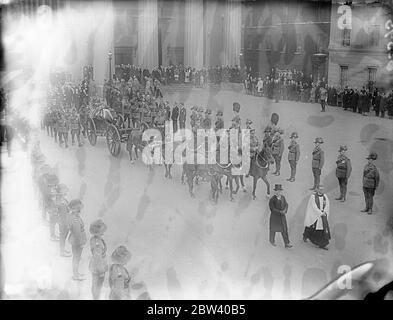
207,121
267,139
63,130
370,182
277,150
278,222
343,171
293,155
236,112
182,116
77,236
175,117
248,124
219,124
98,264
146,114
193,117
119,277
167,111
318,160
254,148
63,218
56,120
75,127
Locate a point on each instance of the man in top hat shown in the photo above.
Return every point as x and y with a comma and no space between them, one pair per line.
63,217
293,155
77,236
370,182
207,121
175,117
277,150
316,226
278,222
119,277
98,264
182,116
318,160
343,171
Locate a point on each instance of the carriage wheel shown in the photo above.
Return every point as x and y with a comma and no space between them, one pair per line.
119,121
91,132
113,140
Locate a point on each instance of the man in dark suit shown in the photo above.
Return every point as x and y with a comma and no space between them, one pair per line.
278,223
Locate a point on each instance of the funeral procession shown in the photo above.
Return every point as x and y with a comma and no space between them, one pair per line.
192,150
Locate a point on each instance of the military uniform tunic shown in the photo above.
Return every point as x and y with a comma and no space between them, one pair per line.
293,157
343,172
318,160
370,184
277,151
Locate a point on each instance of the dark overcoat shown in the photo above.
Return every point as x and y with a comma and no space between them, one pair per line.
278,209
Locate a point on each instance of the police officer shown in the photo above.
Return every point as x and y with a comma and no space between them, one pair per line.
343,171
77,236
63,218
98,265
277,150
293,155
182,116
207,121
318,160
119,277
370,182
175,117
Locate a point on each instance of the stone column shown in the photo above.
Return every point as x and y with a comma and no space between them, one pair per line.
193,44
232,36
102,35
147,52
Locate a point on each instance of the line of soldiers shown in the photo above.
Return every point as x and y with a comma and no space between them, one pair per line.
67,215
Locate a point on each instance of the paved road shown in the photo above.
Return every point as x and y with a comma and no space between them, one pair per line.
190,248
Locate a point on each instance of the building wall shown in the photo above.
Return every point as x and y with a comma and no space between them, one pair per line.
285,34
362,53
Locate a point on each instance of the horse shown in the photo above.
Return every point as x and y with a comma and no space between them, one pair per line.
259,168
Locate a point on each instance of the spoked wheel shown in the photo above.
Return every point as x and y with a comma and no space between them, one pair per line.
113,140
91,132
119,120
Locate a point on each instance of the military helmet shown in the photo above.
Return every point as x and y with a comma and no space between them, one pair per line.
121,255
219,113
248,121
372,156
318,140
62,189
343,148
97,227
294,135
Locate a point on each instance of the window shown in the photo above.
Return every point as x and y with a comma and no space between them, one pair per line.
343,76
346,37
372,74
374,35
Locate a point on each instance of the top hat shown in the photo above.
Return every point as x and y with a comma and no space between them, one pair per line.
372,156
343,148
277,187
97,227
294,135
236,106
75,205
318,140
121,255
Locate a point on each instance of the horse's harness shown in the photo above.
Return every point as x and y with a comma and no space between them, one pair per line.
257,156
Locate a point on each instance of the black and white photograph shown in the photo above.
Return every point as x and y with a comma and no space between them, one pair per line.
196,150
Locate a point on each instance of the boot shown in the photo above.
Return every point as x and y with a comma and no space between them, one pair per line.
343,199
364,210
288,246
339,198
